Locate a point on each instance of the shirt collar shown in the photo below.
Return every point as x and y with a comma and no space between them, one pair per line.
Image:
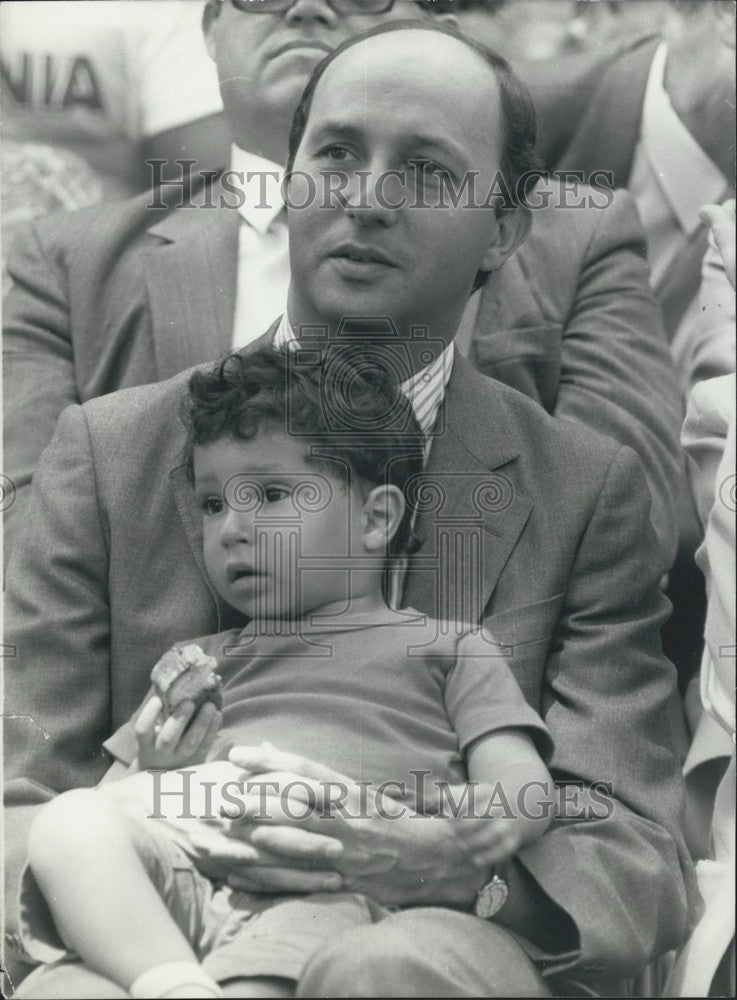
687,176
262,200
425,389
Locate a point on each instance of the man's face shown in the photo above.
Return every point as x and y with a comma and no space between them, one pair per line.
274,525
419,104
266,59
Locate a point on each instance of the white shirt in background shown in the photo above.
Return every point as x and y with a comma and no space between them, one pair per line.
672,176
263,246
99,76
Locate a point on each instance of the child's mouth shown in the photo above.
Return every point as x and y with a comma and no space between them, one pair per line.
238,571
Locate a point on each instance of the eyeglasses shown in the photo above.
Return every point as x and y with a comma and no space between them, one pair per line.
339,6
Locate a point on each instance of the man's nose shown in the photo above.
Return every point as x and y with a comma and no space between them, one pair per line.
312,10
374,196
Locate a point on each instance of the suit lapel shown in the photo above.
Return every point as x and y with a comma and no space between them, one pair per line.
469,513
191,279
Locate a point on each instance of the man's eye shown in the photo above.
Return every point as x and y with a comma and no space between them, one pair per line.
429,168
212,505
273,494
334,152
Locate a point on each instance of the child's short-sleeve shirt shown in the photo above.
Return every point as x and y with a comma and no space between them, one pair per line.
378,701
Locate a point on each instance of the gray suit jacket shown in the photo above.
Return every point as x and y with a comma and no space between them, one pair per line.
109,572
125,295
606,139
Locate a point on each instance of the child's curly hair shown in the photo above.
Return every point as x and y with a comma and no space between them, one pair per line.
352,414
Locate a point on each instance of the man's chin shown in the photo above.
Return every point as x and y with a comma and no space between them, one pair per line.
285,77
355,300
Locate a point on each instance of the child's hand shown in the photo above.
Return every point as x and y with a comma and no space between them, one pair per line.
182,739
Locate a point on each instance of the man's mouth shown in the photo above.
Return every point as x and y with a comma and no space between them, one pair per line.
362,255
302,44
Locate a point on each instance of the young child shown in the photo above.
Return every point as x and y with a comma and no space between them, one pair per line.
304,526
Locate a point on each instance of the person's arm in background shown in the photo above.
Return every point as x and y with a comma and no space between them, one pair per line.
39,378
712,336
709,438
616,373
591,328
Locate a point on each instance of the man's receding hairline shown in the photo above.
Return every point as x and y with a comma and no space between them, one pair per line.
424,30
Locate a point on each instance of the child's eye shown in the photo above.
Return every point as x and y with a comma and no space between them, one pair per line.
212,505
273,494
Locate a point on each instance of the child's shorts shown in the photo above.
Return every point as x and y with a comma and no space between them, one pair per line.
234,934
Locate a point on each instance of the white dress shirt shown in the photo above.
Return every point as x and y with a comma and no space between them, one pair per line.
672,176
263,246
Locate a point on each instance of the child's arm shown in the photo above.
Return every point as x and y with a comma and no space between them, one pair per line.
515,790
180,741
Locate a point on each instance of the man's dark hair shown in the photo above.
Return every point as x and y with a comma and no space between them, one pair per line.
519,122
240,394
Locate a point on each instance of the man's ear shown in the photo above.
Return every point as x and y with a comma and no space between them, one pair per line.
511,230
210,15
381,515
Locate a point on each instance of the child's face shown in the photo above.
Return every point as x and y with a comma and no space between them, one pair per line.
275,525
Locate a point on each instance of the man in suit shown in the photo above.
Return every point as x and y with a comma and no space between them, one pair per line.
662,121
109,570
130,294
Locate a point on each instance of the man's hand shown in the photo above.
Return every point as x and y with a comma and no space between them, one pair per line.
317,830
182,739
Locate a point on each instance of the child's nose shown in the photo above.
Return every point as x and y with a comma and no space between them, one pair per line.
237,527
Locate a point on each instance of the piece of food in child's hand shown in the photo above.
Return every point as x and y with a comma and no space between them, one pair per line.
187,674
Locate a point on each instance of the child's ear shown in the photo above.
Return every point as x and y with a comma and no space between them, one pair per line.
381,514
